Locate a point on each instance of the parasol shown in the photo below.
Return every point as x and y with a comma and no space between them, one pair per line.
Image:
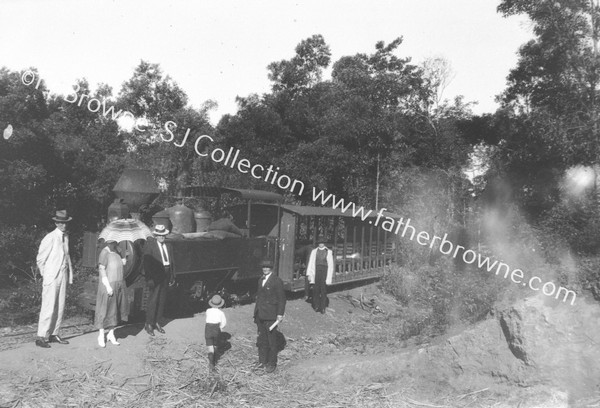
126,229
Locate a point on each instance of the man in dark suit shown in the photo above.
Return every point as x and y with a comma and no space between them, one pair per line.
157,260
268,313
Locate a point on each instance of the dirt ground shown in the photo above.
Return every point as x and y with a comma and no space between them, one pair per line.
348,357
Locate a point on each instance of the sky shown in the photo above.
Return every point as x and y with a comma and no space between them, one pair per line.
219,49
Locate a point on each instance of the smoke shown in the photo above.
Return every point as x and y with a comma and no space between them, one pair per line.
506,234
577,182
8,132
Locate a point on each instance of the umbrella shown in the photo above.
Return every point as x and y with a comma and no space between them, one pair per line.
125,230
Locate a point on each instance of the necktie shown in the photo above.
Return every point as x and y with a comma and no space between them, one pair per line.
65,244
164,254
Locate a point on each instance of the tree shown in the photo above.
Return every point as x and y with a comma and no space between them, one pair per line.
552,98
556,78
304,69
163,105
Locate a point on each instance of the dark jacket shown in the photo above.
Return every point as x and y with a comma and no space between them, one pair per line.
270,299
152,261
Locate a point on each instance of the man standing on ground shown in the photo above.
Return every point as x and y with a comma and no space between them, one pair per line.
320,272
157,261
54,263
269,308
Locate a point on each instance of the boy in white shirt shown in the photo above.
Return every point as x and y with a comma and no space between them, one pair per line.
215,322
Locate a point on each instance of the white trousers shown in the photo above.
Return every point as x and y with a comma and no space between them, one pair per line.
53,305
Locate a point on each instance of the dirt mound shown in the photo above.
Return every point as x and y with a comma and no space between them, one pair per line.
561,343
535,343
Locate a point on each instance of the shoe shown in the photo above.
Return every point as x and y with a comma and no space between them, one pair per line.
42,343
57,339
159,329
101,341
270,368
113,340
149,329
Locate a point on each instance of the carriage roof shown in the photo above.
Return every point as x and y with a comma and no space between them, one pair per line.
305,210
208,191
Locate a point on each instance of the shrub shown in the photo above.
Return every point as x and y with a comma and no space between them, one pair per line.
433,297
21,304
19,245
589,275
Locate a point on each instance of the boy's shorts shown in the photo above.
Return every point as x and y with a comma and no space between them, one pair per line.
211,333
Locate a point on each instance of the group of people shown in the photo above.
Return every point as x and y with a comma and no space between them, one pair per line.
112,305
54,263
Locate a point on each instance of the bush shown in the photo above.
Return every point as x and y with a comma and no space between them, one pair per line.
589,275
434,297
576,227
21,305
19,245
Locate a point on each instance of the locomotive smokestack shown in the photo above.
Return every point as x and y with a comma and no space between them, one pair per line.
136,187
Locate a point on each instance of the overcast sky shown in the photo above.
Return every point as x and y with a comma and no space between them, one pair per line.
220,49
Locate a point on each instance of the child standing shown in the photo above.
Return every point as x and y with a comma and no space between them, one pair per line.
215,322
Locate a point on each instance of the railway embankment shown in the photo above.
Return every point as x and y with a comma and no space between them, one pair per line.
545,352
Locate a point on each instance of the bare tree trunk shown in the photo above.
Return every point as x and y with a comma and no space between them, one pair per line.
377,185
594,6
597,186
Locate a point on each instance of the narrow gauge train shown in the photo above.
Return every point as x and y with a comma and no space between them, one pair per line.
284,234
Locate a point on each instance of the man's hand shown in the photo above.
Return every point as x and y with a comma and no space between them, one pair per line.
279,318
109,290
150,284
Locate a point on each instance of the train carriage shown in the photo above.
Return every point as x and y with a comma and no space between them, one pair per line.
360,250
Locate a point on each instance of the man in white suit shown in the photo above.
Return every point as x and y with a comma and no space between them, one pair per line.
54,263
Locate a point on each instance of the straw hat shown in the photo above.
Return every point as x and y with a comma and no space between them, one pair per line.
160,229
216,301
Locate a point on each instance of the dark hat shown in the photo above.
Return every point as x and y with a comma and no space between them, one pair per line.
266,264
320,239
216,301
160,229
62,216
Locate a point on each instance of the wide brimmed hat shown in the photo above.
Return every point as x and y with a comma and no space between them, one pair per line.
266,264
160,229
62,216
216,301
